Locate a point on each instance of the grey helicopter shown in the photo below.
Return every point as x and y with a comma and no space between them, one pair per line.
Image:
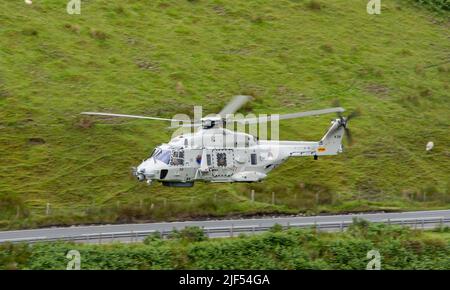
214,153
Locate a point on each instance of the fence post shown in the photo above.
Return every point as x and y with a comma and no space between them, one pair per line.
273,198
253,195
47,209
423,223
231,231
342,226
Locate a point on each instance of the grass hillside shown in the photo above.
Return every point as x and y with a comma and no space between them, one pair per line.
160,58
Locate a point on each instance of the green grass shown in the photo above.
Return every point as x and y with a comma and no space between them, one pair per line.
399,248
162,57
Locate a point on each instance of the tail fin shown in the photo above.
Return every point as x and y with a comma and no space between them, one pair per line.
331,142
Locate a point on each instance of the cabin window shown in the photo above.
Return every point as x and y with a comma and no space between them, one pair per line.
177,157
253,159
208,159
221,159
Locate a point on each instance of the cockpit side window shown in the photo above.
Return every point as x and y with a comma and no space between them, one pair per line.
177,157
155,152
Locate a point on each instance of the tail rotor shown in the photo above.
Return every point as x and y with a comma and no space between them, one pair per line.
343,121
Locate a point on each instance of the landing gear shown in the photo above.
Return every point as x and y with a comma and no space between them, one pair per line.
178,184
316,157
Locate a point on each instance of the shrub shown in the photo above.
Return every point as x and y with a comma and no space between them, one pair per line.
193,234
153,237
400,248
12,256
276,228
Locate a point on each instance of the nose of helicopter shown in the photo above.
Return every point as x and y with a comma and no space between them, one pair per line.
148,169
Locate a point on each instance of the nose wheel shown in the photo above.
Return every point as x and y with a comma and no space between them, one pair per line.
149,182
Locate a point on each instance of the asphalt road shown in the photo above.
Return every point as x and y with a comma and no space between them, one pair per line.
58,232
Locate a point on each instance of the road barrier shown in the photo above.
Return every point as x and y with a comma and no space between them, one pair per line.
228,231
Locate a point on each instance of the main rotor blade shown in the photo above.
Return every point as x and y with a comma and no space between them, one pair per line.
354,114
337,103
234,105
293,115
128,116
188,125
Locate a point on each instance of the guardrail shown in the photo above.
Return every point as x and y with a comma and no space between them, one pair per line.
229,231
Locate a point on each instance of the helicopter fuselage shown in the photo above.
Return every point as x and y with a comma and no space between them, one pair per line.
221,155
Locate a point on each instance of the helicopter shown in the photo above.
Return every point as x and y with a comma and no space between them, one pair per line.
214,153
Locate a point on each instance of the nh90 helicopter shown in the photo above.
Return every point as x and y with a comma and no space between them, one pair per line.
214,153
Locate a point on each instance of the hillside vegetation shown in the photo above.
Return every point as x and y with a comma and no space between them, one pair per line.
160,58
399,248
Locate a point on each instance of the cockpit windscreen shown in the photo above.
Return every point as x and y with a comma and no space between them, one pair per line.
162,155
